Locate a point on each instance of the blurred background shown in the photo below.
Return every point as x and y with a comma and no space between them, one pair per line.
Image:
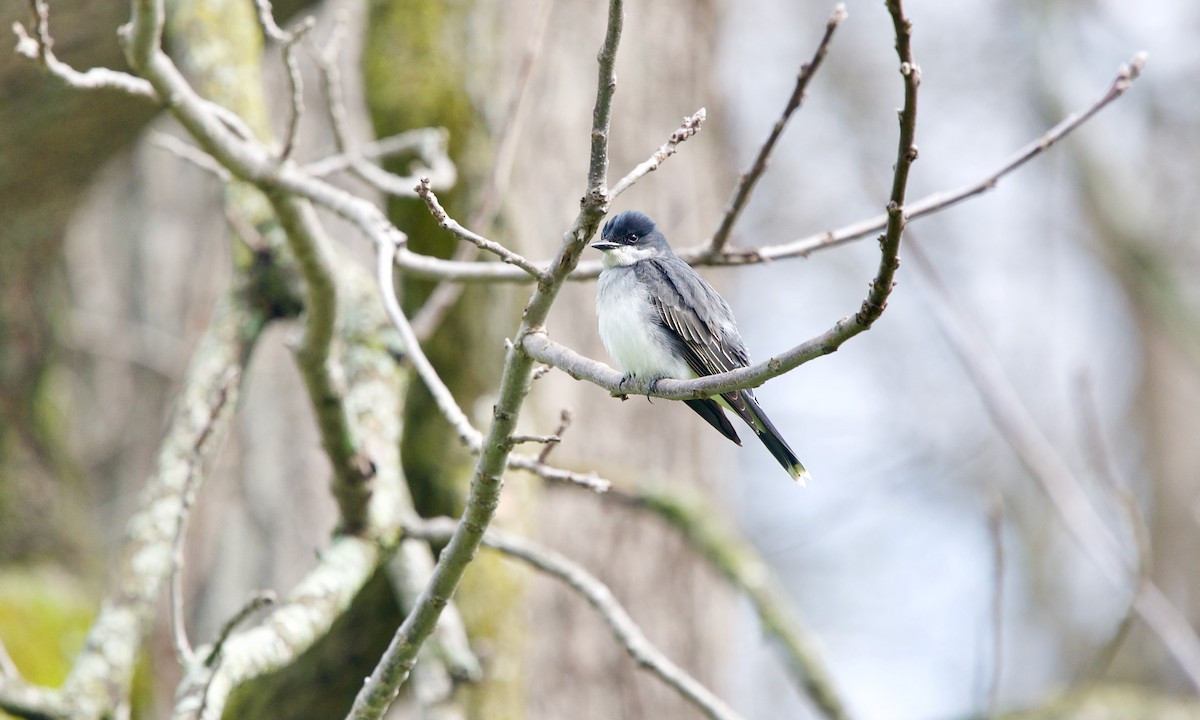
926,560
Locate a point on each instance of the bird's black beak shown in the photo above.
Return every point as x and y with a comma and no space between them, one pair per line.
603,244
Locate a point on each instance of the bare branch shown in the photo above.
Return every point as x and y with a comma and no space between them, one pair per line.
39,46
564,422
1065,491
748,180
588,481
295,79
445,294
691,126
104,668
442,396
440,169
428,143
266,19
314,254
425,192
936,202
189,153
802,247
600,597
484,493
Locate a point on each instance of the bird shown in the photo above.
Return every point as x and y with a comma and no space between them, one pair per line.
659,319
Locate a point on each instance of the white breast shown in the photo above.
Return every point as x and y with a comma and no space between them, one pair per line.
638,345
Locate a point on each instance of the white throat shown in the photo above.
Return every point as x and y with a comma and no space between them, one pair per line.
627,255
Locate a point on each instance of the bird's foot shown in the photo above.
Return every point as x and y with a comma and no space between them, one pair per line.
621,387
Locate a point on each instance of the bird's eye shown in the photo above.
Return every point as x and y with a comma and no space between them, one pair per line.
631,238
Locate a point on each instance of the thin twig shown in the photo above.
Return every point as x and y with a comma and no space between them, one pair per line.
995,525
190,153
542,439
266,20
600,597
295,79
39,46
425,191
445,294
739,563
691,126
748,180
1065,491
183,648
258,601
588,481
439,167
564,421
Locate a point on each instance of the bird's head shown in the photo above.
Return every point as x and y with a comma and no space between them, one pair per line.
629,237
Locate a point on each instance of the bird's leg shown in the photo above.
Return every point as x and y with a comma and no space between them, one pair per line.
653,388
626,380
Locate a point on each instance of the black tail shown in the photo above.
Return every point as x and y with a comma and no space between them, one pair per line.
711,411
765,430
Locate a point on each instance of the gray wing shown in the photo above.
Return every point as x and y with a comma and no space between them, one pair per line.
701,324
697,319
695,316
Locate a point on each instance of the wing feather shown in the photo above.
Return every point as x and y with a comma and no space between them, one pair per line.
698,320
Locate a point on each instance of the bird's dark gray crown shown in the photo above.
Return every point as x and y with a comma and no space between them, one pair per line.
628,227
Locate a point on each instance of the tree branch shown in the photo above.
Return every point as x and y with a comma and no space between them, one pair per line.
425,191
600,597
314,254
484,494
39,46
104,668
1066,493
541,348
740,565
749,179
691,126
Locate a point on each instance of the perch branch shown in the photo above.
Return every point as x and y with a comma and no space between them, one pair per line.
541,348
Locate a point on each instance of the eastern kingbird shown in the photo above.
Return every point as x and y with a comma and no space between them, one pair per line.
660,319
